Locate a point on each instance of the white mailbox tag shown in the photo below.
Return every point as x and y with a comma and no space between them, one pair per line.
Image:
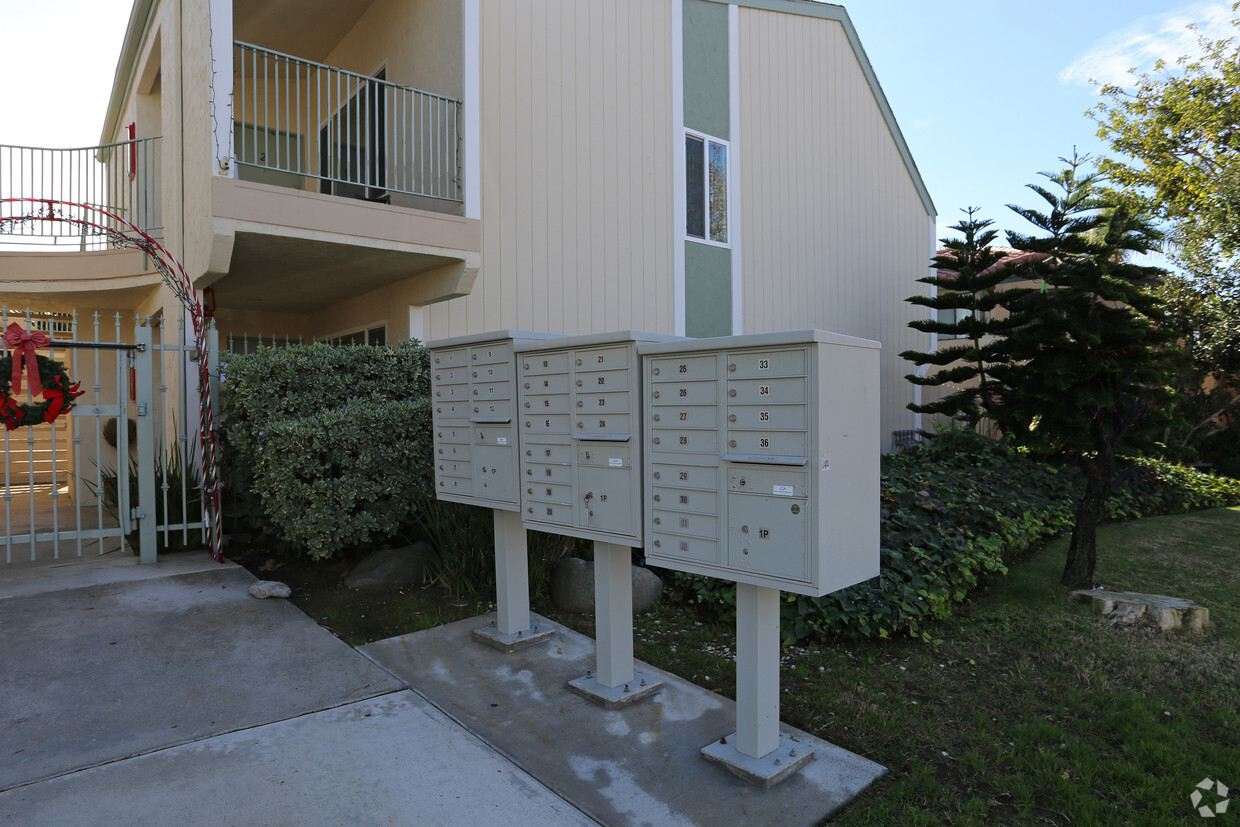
501,440
826,462
615,462
783,491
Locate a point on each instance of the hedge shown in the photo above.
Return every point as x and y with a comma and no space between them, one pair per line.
333,443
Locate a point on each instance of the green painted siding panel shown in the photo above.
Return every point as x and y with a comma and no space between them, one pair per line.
706,67
708,290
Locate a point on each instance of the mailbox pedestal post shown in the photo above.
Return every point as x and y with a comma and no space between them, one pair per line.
613,614
757,669
512,591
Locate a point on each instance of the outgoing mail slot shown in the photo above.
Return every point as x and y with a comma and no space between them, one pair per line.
705,477
494,435
600,381
770,417
608,456
537,472
759,391
536,423
785,443
542,363
603,426
758,363
685,442
686,499
686,369
684,393
692,525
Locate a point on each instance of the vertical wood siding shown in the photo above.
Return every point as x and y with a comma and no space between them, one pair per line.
576,170
835,232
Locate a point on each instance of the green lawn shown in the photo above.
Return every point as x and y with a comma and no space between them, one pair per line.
1032,710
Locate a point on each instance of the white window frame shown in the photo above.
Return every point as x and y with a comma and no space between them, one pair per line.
684,218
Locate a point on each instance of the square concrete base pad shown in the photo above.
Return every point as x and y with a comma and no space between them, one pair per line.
639,764
766,771
643,685
512,641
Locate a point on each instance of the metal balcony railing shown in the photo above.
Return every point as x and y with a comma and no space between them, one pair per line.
303,124
121,178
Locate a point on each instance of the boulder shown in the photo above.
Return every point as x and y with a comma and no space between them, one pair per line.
572,586
269,588
389,568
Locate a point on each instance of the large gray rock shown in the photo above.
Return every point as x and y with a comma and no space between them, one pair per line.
572,587
270,588
389,568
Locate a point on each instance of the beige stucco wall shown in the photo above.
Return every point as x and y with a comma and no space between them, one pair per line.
835,232
576,170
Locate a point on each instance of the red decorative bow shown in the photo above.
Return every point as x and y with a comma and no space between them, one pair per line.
61,400
23,344
12,413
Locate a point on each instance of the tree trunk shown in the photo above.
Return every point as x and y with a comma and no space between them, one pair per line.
1078,571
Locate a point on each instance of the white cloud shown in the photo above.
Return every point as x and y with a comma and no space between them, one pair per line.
1158,37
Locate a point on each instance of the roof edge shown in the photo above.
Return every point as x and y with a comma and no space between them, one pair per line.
126,65
828,11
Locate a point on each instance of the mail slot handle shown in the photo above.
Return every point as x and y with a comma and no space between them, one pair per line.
603,437
491,420
765,459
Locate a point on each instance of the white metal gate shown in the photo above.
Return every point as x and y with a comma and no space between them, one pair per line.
120,472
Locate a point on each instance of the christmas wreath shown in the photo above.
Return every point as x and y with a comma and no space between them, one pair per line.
47,379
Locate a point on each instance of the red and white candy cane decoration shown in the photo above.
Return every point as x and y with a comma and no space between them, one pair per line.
124,234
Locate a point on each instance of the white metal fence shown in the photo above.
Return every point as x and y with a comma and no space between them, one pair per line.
120,472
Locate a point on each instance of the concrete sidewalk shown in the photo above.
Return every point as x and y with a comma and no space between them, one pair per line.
166,694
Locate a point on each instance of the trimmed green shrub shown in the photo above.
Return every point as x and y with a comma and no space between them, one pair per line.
953,515
332,443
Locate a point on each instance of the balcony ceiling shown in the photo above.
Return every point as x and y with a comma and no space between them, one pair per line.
294,275
303,28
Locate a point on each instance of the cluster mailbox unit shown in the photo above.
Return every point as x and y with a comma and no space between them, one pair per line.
581,461
473,392
763,469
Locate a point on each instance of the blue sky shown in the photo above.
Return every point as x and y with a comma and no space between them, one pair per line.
987,92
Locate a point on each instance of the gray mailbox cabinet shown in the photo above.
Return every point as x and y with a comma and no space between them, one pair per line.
762,462
474,403
580,421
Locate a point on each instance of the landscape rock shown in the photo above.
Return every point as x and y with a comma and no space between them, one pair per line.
389,568
572,587
270,588
1155,610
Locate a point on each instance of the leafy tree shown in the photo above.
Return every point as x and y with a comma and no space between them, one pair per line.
1088,360
1176,132
966,285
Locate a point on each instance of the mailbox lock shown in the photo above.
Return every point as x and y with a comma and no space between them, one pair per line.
658,521
579,383
527,386
744,529
656,440
732,368
656,394
527,423
580,424
731,443
530,510
731,417
437,360
742,482
529,472
657,498
578,363
796,509
474,356
527,403
658,544
656,371
437,375
657,475
732,392
475,374
656,417
744,551
580,404
529,491
529,453
526,366
475,410
438,393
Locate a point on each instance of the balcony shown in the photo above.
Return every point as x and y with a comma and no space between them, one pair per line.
310,126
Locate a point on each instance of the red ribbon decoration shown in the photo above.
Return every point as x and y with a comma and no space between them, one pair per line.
11,413
62,400
24,342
